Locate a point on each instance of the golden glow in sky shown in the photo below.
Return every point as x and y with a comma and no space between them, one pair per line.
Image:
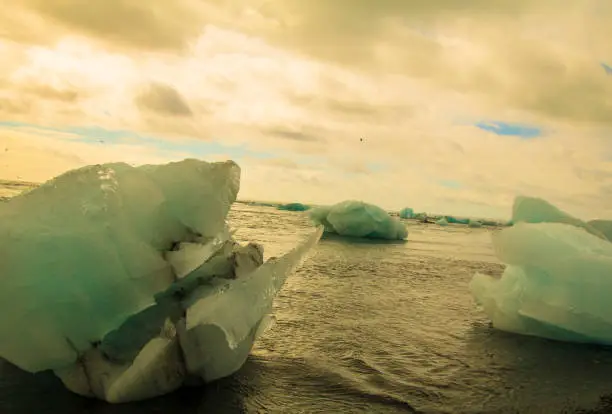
462,104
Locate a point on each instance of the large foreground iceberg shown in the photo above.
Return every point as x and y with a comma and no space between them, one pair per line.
127,283
358,219
556,283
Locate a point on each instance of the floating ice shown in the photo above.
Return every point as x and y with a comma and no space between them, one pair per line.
456,220
358,219
293,207
223,320
126,281
556,283
537,210
420,216
604,226
474,223
261,204
442,222
406,213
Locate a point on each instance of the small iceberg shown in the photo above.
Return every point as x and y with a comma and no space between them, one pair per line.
127,283
455,220
420,216
474,223
442,222
406,213
293,207
358,219
557,279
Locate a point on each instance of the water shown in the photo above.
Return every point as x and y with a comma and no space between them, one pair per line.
375,328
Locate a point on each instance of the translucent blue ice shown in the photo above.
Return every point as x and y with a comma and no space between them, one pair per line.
358,219
557,279
114,276
224,320
456,220
537,210
406,213
293,207
85,248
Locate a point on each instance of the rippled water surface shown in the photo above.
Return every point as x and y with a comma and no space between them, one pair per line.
375,328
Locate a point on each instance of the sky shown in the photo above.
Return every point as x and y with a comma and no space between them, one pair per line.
444,106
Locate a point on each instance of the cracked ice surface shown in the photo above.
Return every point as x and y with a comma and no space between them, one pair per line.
127,282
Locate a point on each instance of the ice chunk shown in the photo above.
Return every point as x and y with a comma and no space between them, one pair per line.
604,226
156,370
105,267
456,220
188,256
358,219
223,320
537,210
442,222
210,337
556,284
293,207
406,213
84,251
420,216
474,223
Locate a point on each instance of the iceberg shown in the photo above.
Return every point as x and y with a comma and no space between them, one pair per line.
358,219
474,223
455,220
127,283
442,222
406,213
537,210
555,284
603,226
293,207
420,216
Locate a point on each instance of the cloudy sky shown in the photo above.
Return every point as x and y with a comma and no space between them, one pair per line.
461,105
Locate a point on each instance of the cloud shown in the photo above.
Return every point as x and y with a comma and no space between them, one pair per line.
156,25
52,93
294,134
289,88
531,55
37,154
14,107
163,99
